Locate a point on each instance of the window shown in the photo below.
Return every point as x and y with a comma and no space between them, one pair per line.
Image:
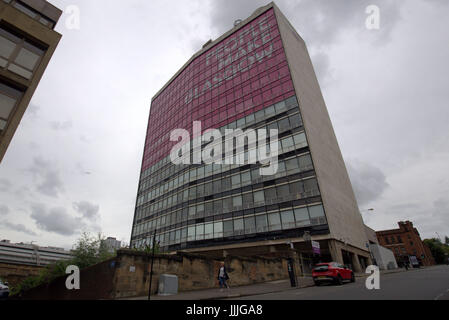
250,225
305,163
296,121
9,98
209,231
218,206
246,178
274,221
288,219
259,197
300,140
261,223
217,186
296,187
191,233
236,181
239,227
227,204
292,164
228,228
199,232
18,55
184,235
311,186
247,198
237,201
270,194
218,229
226,183
316,211
283,191
287,144
284,125
209,208
192,212
302,217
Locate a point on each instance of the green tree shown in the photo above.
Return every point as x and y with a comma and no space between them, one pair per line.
438,250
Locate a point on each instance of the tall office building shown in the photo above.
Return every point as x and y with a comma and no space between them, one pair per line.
256,76
27,43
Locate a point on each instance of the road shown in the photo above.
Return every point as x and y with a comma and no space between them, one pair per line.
418,284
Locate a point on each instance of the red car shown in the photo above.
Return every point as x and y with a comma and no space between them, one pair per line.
332,272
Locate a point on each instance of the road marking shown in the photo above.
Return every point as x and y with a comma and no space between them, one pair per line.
440,295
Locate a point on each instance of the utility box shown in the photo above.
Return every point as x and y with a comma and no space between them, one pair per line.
168,285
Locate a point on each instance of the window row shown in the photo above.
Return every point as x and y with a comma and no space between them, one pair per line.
296,190
272,221
286,167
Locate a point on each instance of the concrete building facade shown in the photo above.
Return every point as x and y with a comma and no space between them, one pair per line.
256,76
29,254
27,43
406,244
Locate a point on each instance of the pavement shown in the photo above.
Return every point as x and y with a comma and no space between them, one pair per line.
245,291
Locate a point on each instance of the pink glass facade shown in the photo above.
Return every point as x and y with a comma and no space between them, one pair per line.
240,75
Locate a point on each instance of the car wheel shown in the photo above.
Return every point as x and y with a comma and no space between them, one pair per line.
339,280
317,283
352,277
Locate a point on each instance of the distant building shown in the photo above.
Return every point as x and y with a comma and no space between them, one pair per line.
406,244
112,244
27,43
29,254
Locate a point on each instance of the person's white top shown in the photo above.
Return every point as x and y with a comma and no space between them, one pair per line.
222,272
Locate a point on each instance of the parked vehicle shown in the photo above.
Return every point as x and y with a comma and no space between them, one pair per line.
4,290
332,272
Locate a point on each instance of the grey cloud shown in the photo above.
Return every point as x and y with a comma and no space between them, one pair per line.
368,181
56,220
5,185
4,210
87,209
18,227
61,126
48,177
33,110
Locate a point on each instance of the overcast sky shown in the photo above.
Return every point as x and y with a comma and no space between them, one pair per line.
74,162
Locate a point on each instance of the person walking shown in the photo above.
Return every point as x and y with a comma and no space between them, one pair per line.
223,277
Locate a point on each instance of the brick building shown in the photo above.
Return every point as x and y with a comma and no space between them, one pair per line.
405,243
